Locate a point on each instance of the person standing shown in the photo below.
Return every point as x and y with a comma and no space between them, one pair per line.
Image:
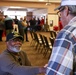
38,27
42,23
63,54
32,23
8,22
16,20
15,27
1,25
24,23
21,27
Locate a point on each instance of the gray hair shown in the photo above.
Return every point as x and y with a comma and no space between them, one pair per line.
72,9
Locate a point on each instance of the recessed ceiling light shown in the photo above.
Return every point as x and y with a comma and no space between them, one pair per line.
48,4
15,7
41,0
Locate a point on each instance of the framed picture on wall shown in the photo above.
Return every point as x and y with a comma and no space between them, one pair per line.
51,22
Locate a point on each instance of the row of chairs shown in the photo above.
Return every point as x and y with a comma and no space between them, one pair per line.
42,44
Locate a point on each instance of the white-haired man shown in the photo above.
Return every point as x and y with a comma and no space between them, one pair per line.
14,61
64,49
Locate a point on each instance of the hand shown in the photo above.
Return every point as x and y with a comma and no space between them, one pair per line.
46,65
42,69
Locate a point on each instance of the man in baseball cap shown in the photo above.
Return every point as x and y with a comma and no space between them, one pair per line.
63,54
14,61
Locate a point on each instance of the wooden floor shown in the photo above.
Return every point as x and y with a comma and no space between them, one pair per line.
36,59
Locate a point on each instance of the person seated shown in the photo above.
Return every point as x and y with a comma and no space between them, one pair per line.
14,61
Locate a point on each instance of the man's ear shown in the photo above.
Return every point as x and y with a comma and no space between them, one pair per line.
66,11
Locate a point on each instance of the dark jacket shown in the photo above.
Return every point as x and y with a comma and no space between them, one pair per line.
8,23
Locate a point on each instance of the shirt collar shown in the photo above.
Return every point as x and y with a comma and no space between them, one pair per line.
72,20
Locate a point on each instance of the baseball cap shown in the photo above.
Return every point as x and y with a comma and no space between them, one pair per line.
66,2
12,36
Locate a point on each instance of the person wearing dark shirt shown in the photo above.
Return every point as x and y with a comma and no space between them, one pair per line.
1,25
32,24
8,22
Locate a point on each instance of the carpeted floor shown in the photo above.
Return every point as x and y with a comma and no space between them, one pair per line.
36,59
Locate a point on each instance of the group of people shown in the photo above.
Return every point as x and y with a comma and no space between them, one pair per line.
36,25
22,27
13,61
8,25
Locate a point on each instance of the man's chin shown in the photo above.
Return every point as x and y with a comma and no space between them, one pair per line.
18,48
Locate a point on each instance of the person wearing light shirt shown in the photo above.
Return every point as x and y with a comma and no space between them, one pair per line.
64,50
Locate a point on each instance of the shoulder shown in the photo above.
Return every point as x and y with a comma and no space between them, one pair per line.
5,56
4,53
23,52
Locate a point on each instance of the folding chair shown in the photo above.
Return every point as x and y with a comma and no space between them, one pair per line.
43,43
51,41
38,41
33,38
48,47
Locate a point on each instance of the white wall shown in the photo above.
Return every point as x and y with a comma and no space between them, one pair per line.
12,14
40,12
54,18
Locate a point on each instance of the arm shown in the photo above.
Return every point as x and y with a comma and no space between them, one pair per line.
60,62
9,65
27,62
24,24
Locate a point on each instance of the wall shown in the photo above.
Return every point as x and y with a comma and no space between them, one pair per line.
40,12
48,10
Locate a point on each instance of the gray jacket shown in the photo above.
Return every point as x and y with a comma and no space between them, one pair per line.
9,64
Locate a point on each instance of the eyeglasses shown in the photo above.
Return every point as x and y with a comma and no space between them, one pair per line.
61,9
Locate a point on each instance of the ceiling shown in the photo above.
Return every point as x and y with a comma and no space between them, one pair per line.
12,8
5,8
35,0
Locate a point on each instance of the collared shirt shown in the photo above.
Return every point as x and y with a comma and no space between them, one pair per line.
61,59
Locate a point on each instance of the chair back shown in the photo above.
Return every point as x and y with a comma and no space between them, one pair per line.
41,37
46,41
51,40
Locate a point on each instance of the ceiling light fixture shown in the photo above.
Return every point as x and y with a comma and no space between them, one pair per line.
41,0
48,3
